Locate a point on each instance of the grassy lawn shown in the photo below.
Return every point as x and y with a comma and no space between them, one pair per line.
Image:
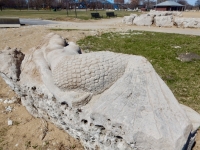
183,78
58,15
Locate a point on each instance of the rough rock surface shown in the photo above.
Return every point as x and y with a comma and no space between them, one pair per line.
163,21
117,102
129,19
187,57
165,13
187,22
143,20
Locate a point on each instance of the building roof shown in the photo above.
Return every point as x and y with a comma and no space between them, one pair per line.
169,3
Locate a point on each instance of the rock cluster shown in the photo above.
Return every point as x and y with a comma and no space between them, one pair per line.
162,19
187,22
109,101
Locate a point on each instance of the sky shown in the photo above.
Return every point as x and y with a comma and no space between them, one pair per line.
192,2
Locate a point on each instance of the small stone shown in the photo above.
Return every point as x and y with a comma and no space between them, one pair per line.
8,108
6,101
10,122
177,47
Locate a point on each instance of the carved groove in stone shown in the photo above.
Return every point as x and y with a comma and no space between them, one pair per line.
92,72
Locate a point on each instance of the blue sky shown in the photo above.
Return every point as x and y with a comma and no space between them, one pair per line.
192,2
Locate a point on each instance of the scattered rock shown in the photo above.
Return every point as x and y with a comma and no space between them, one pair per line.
177,47
9,101
8,109
187,57
10,123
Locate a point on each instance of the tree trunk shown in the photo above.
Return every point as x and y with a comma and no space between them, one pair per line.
75,10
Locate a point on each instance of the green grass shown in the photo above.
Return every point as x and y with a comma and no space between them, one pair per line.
183,78
58,15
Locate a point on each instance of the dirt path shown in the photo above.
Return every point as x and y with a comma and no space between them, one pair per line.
26,131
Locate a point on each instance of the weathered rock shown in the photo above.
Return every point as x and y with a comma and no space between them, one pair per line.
177,13
164,21
129,19
194,117
10,122
159,13
8,109
143,20
165,13
187,57
107,100
187,22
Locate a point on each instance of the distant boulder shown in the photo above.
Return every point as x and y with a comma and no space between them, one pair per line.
143,20
129,19
163,21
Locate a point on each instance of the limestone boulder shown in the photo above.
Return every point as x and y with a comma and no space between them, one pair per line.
177,13
143,20
165,13
129,19
163,21
107,100
187,22
159,13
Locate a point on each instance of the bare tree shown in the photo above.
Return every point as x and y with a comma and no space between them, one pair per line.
48,4
20,4
2,3
38,4
182,2
160,1
10,3
197,3
149,3
134,3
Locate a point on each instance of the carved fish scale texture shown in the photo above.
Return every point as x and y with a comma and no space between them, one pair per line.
91,72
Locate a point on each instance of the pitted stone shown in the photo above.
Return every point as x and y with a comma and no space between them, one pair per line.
164,21
107,100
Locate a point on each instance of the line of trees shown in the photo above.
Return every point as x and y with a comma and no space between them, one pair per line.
92,4
197,3
31,4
